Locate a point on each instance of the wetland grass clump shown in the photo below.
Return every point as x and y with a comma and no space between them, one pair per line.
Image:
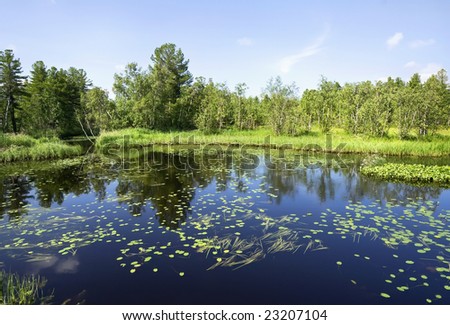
410,173
23,147
22,290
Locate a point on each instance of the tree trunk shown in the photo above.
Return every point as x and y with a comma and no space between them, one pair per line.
13,119
5,121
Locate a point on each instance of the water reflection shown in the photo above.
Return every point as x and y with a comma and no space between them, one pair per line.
85,222
169,191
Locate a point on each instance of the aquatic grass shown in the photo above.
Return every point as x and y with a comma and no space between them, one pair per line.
437,146
22,290
22,147
410,173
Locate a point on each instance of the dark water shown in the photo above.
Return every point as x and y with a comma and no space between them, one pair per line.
195,230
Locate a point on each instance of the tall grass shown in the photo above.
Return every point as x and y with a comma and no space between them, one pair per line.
22,290
23,140
23,147
338,141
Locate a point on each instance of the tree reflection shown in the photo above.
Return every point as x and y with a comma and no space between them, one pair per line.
167,186
15,193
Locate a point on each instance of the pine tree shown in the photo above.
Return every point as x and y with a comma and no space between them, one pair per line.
169,74
11,88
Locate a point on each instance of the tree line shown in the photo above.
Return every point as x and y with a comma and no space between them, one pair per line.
165,96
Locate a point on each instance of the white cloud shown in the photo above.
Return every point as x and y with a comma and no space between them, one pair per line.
410,64
245,41
421,43
119,67
394,40
289,61
382,79
428,70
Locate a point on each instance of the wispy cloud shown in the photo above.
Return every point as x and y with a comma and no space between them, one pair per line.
245,41
410,64
394,40
382,79
421,43
428,70
119,67
289,61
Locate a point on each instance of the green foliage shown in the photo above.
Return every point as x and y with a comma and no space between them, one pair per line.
432,112
22,147
280,102
53,100
188,104
130,88
159,98
214,109
10,89
414,173
308,109
22,290
352,99
327,104
168,76
57,102
376,111
97,112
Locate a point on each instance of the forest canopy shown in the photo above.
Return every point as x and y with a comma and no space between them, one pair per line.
166,97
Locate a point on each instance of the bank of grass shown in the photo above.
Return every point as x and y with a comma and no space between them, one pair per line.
338,141
23,147
410,173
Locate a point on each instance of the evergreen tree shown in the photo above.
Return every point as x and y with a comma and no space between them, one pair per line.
36,105
169,75
11,88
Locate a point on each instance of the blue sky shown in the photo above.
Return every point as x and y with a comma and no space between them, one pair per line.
235,41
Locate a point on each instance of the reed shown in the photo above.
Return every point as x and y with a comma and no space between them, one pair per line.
23,147
22,290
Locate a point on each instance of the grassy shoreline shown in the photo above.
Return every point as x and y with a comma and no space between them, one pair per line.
22,147
337,142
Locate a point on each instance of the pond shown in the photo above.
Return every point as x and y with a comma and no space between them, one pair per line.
187,228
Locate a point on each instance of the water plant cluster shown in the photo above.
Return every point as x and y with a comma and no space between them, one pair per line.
410,173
